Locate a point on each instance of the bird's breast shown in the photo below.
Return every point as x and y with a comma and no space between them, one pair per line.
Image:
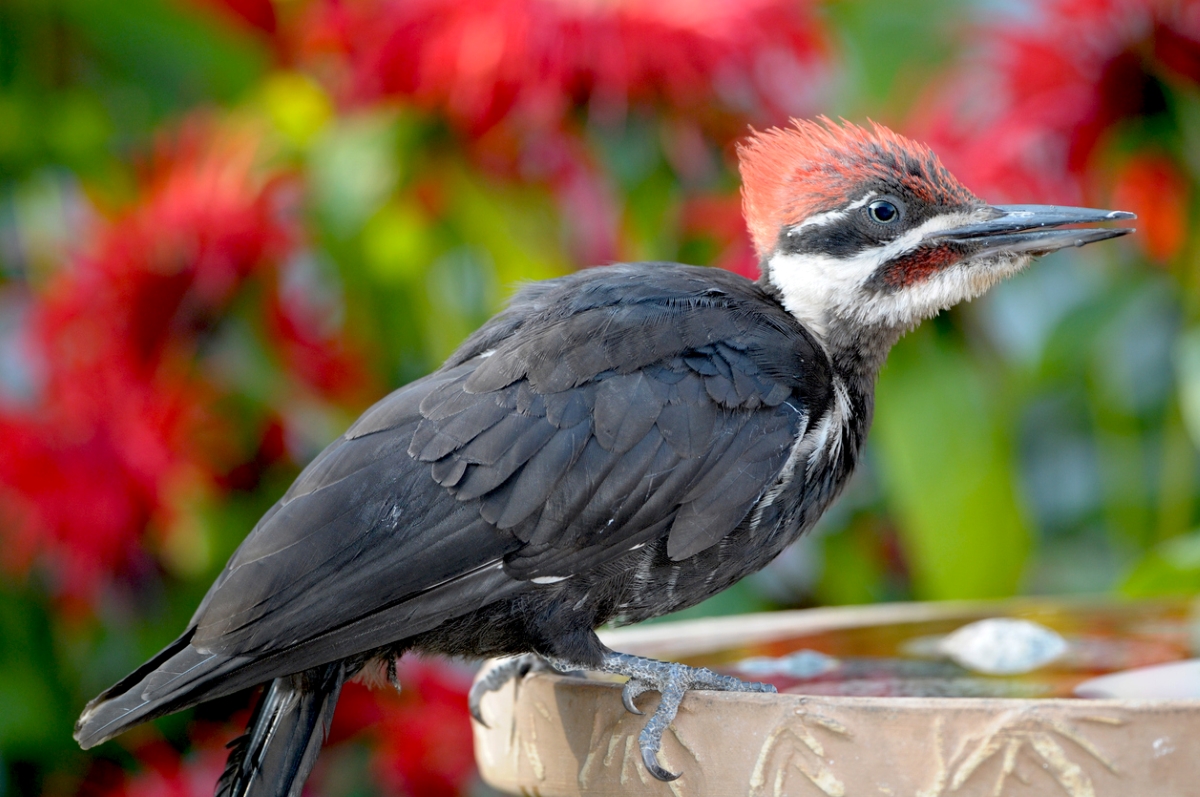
819,464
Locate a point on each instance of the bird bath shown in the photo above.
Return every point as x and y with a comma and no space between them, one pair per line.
868,706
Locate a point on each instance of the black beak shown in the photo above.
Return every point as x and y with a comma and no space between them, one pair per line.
1017,229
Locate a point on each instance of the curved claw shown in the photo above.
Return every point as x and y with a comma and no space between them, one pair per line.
475,702
630,692
650,761
494,680
672,682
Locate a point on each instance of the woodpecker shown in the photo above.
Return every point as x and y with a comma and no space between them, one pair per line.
617,444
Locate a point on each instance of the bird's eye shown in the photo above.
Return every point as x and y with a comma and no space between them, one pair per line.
883,211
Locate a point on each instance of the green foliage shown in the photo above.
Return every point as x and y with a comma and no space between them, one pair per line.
37,705
948,468
1170,568
173,52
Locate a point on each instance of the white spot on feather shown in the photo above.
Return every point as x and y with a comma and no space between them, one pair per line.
549,579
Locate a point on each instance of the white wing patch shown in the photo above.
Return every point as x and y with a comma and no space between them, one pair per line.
549,579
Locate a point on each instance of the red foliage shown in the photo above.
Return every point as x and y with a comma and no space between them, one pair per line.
527,63
164,773
720,218
126,422
1027,121
1153,187
423,745
257,15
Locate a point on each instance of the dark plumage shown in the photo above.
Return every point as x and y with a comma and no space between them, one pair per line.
618,444
630,461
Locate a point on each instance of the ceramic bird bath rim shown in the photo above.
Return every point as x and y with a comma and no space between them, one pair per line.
557,735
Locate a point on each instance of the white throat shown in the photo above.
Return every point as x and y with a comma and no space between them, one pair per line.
823,292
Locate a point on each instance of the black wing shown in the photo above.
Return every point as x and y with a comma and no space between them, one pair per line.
602,411
619,409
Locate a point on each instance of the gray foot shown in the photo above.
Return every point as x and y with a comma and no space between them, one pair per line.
497,677
672,681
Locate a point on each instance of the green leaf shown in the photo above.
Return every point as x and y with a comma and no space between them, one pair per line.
890,52
174,52
397,243
852,572
353,169
948,472
297,106
1170,568
35,715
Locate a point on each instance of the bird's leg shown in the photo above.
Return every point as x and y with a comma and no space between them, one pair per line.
516,667
672,682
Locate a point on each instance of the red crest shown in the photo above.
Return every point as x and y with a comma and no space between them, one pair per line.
792,173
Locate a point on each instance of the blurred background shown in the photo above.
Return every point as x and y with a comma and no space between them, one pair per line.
227,226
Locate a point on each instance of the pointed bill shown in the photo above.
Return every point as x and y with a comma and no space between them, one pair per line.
1030,229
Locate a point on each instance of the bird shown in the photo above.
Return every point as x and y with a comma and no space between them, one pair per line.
615,445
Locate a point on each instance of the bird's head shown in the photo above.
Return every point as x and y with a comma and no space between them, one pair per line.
863,231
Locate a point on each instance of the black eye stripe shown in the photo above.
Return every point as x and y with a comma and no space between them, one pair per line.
842,238
852,228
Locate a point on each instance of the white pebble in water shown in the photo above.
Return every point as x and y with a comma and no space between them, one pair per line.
802,665
1003,646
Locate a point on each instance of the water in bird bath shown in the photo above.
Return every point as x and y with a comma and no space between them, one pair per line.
909,659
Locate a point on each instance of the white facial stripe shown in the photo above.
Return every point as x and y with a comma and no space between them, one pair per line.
962,282
820,289
830,216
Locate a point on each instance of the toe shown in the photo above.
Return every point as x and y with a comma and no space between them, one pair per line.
475,702
650,760
630,692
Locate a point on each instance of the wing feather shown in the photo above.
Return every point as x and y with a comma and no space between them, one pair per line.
626,408
612,413
543,473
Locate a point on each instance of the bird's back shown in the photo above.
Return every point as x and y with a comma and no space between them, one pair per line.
619,443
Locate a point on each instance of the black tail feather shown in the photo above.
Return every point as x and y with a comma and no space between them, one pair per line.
178,677
284,735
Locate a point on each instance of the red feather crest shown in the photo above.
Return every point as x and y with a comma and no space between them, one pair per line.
792,173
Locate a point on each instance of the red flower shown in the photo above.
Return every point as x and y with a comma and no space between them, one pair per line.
163,773
421,737
1027,120
127,424
528,63
315,354
258,15
425,746
119,426
519,76
1152,186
